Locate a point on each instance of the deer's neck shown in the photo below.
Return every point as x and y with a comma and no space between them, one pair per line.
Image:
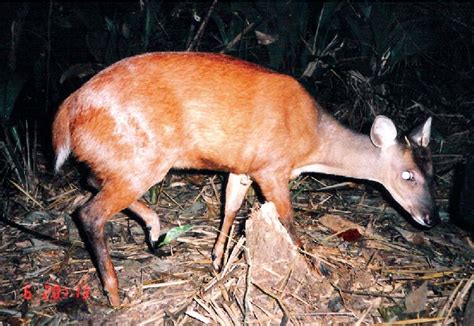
343,152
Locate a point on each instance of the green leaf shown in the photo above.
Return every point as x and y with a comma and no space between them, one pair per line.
391,313
9,91
174,233
221,26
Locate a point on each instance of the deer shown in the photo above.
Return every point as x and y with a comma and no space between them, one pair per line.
143,116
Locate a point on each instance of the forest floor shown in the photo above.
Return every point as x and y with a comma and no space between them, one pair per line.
370,265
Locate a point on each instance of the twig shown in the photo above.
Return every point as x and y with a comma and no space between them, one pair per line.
318,257
237,38
26,194
172,199
313,49
335,186
208,310
412,321
286,313
221,313
214,189
455,299
215,281
230,236
198,316
375,303
235,251
248,282
231,313
200,31
372,294
162,285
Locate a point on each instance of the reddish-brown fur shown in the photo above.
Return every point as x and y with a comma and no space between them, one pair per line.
144,115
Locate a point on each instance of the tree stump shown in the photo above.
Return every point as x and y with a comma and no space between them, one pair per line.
281,285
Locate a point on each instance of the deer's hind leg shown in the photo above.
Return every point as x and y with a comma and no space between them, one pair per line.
140,209
115,195
93,216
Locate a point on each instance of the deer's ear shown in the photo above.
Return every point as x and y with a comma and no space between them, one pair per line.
421,134
383,132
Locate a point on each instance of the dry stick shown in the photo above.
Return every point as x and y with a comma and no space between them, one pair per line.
214,189
396,247
160,190
374,294
26,194
328,313
293,295
58,197
318,258
172,199
297,182
231,313
223,291
199,195
456,298
335,186
226,257
286,313
442,312
27,156
239,303
236,250
269,316
200,31
412,321
375,302
286,279
215,282
221,313
153,320
210,311
184,321
237,38
409,270
247,303
313,49
166,284
198,316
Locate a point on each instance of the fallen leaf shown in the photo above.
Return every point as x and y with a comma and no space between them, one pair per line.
337,224
416,300
413,237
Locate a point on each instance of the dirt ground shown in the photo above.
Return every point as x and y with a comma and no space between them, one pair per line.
362,264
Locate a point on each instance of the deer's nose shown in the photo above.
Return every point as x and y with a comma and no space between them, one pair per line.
430,219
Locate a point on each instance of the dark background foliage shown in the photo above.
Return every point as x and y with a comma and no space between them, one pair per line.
405,60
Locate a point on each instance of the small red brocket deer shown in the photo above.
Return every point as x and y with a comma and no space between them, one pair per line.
147,114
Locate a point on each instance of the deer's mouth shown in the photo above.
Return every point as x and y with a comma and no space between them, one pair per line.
426,219
420,220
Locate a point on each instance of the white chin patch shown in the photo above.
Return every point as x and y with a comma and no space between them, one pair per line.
419,220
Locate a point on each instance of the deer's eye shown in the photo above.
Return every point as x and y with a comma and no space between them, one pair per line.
408,175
